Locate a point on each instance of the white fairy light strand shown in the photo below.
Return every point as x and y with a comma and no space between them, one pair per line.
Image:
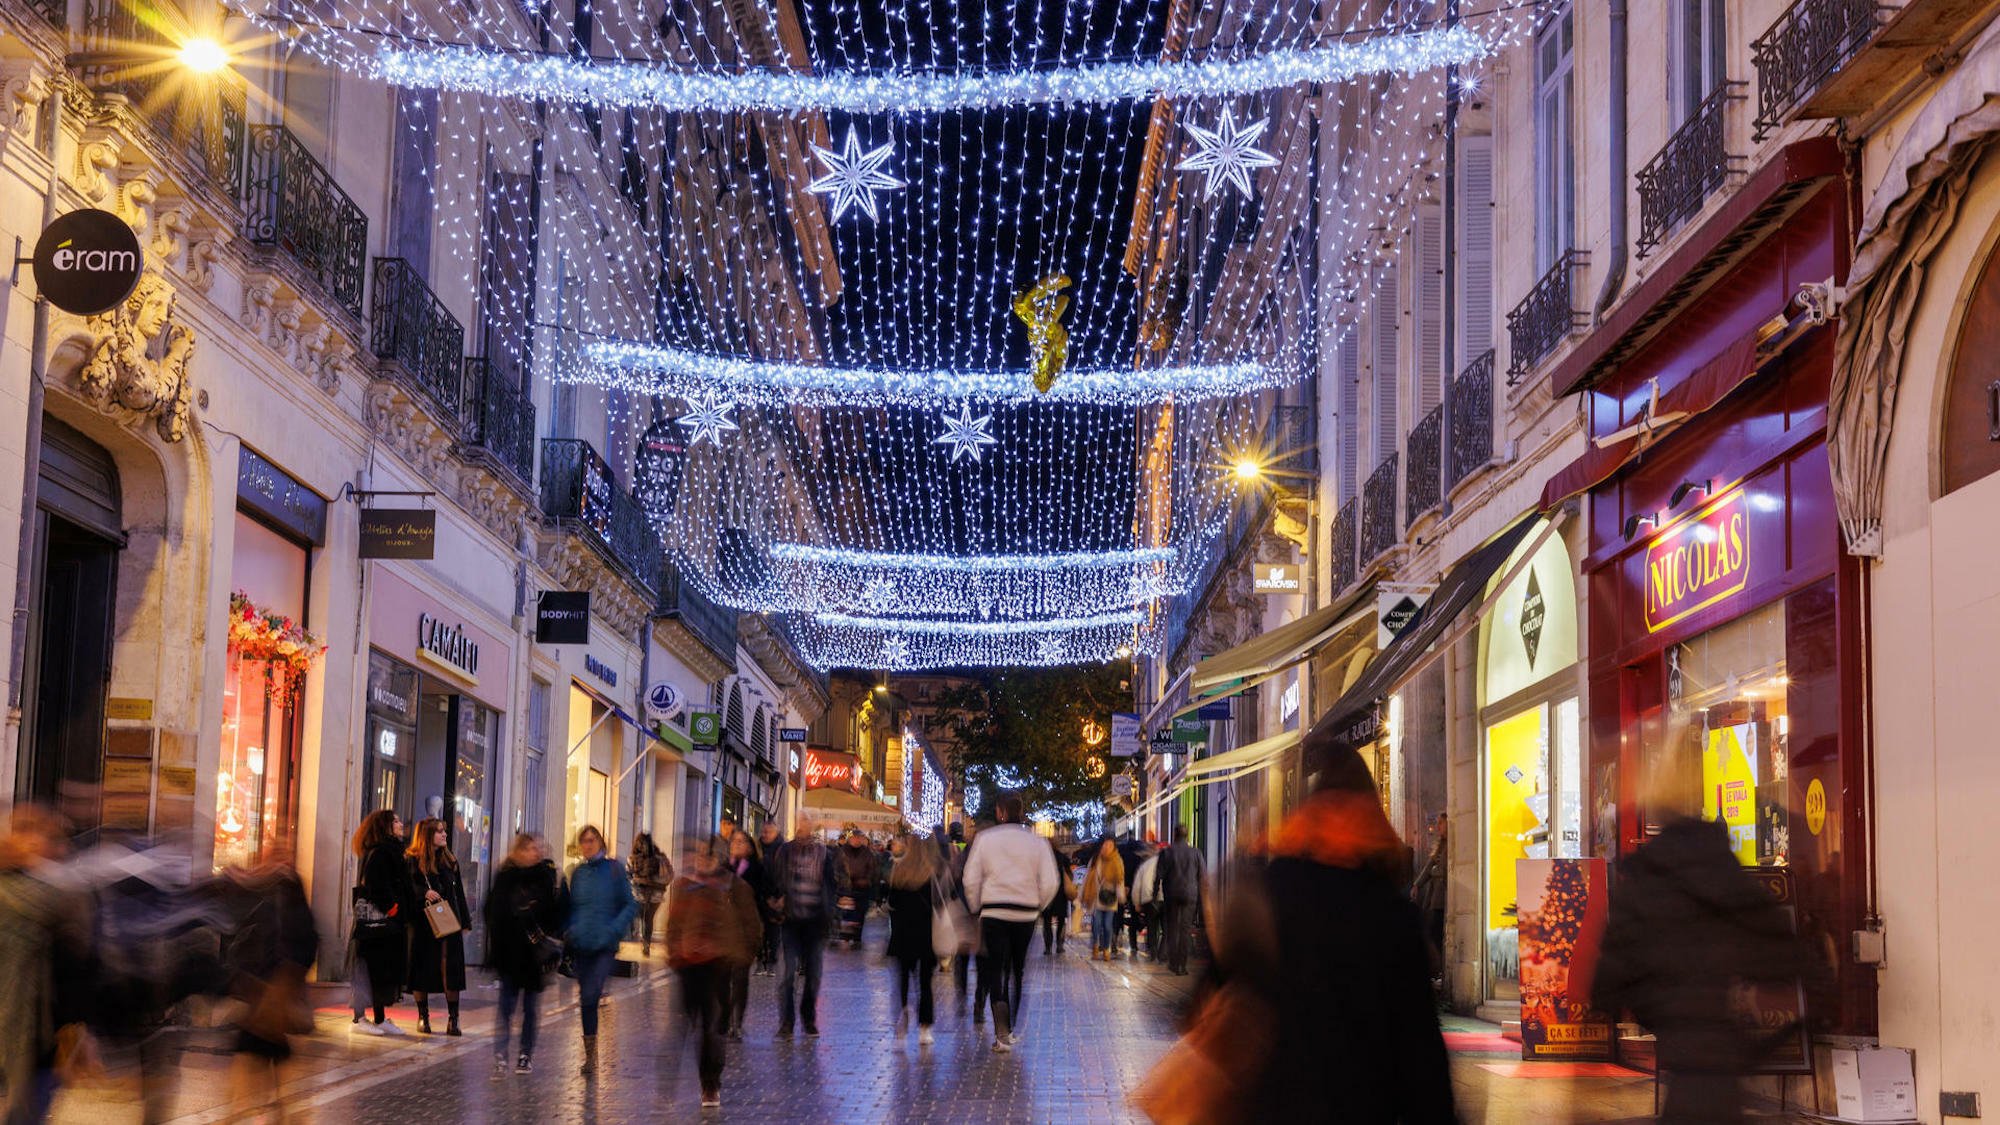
539,77
977,628
869,560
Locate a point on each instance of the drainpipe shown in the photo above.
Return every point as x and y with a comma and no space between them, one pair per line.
643,781
1448,285
38,365
1614,274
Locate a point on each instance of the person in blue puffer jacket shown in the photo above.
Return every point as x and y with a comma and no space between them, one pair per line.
601,908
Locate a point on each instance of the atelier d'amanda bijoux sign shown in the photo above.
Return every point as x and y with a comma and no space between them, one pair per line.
1698,562
398,533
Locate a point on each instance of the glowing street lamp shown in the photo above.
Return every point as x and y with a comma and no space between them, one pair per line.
203,55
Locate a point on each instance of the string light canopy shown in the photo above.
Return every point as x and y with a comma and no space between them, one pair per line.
775,247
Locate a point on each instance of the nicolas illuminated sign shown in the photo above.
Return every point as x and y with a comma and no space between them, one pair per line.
1698,563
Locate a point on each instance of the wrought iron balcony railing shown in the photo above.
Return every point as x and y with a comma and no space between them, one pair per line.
1378,511
1471,419
1693,165
499,419
127,52
1343,532
291,202
579,490
54,11
418,336
1545,317
712,623
1423,452
1798,53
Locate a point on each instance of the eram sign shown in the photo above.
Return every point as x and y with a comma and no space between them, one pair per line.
87,261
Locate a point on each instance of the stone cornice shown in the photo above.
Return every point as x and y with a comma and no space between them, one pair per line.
574,564
689,649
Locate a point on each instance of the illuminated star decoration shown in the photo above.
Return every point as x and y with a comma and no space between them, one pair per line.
965,434
895,651
879,592
852,176
1049,650
708,417
1228,154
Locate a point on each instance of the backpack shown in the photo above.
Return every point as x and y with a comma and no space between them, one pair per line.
803,887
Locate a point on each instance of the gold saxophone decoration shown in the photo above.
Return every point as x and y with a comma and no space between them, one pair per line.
1041,309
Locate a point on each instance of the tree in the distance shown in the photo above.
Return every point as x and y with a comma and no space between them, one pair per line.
1022,729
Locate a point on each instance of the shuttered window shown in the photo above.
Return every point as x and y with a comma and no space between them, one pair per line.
1427,368
1475,249
1382,354
1350,414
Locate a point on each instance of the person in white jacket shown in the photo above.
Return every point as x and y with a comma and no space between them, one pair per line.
1146,907
1010,878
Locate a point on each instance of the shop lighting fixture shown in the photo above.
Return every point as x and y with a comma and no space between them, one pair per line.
1705,487
1635,522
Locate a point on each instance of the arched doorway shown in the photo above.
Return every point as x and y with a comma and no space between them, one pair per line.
79,532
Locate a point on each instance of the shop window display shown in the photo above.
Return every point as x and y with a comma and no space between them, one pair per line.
1534,810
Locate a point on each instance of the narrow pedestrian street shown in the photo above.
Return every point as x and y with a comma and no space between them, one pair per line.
1092,1031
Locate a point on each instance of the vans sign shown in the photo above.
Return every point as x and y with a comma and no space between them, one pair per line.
87,261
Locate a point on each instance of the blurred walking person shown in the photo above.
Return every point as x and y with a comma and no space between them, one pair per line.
275,946
1145,906
1320,1007
1428,893
42,921
742,863
1055,919
1010,876
712,931
1177,882
524,913
857,875
1103,894
1688,930
651,872
768,842
803,875
384,903
601,906
437,964
915,893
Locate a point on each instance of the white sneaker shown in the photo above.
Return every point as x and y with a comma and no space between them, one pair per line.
924,1036
1001,1046
364,1027
389,1027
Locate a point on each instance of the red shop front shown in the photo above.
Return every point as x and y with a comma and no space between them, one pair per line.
1724,640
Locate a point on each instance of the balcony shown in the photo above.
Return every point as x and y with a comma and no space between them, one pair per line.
1343,539
1806,46
499,419
417,337
56,12
291,202
1378,512
708,622
1545,317
579,491
1424,450
128,54
1693,165
1471,419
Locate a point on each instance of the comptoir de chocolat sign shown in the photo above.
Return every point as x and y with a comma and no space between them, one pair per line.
1698,562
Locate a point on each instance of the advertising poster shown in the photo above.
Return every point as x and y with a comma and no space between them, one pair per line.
1563,912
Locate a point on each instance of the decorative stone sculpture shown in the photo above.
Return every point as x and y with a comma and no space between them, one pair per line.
140,360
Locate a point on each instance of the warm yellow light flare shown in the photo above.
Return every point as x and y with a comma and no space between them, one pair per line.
1248,470
203,55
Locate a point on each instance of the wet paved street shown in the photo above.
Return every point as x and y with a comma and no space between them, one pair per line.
1092,1031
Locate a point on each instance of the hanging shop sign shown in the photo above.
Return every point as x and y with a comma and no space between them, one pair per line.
1563,909
1534,612
1214,712
1698,562
88,261
1189,728
831,769
600,669
448,647
279,497
562,617
1277,578
1124,734
664,700
1121,787
398,533
1396,609
705,728
791,734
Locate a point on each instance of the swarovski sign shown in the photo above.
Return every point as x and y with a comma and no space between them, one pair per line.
1277,578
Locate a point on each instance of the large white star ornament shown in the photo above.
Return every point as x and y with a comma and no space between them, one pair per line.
1049,650
1228,154
965,434
878,593
895,651
852,176
706,420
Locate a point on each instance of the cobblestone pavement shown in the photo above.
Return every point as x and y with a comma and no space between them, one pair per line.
1092,1031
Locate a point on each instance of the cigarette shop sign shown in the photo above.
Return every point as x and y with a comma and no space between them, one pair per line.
1698,562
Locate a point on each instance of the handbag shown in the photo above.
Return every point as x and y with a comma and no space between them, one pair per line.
443,919
549,951
369,919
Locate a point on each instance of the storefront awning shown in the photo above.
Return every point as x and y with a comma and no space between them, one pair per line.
838,806
1227,766
1465,585
1256,660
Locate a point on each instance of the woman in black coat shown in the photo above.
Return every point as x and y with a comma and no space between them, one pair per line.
384,903
914,893
524,912
437,964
